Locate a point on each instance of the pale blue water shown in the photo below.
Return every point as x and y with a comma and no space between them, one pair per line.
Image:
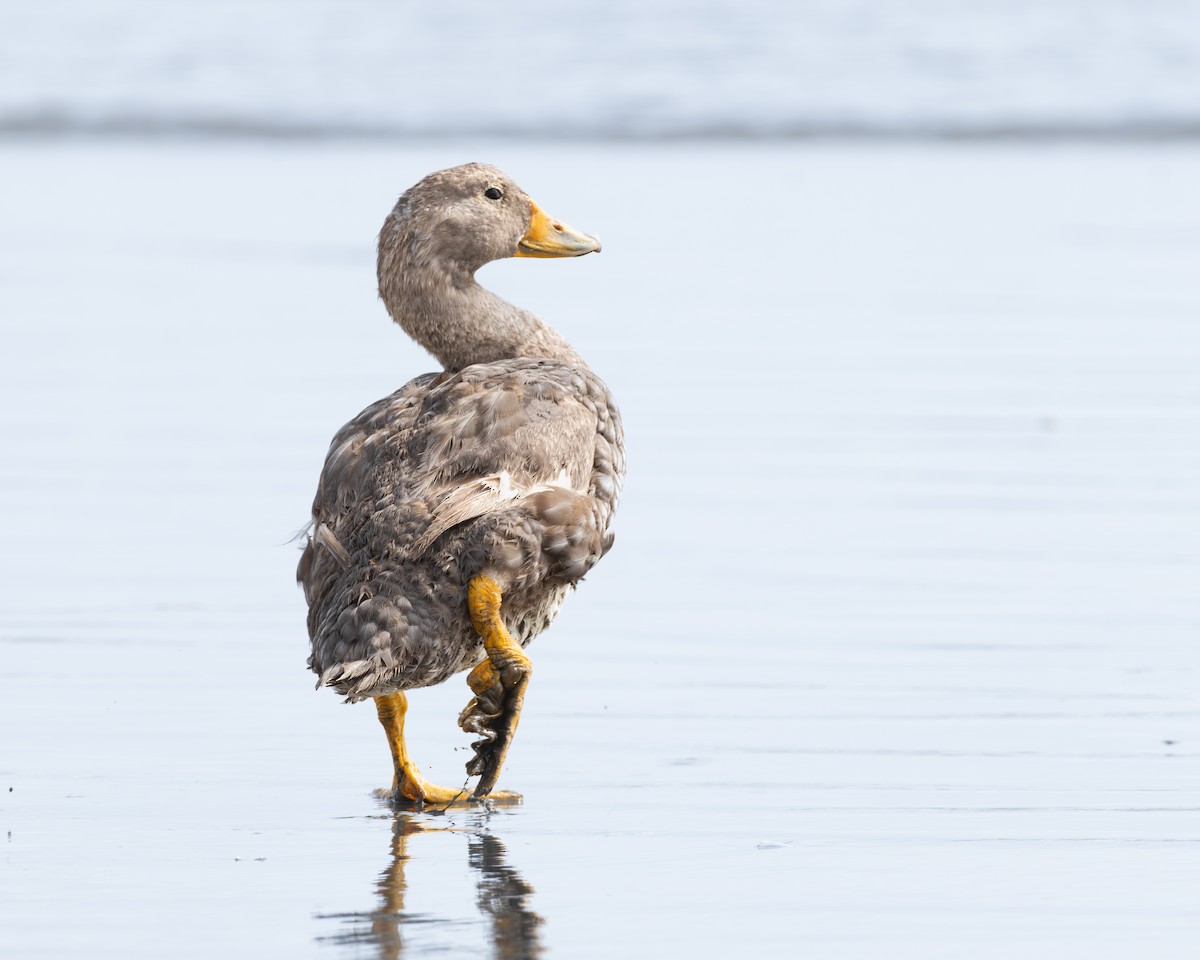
895,655
621,68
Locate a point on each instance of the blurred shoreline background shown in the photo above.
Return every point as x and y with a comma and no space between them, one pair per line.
623,69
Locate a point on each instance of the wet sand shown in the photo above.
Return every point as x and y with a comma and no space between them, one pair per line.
895,653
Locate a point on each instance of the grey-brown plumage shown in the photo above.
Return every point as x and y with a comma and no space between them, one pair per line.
508,463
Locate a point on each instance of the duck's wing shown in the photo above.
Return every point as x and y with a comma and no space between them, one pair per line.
541,432
449,448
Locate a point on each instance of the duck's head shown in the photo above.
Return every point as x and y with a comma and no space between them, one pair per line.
461,218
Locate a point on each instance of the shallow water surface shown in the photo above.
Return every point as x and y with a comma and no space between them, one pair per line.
895,654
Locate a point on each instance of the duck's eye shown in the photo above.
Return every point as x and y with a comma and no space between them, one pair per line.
493,193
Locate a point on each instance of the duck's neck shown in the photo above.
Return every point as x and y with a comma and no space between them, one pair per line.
448,313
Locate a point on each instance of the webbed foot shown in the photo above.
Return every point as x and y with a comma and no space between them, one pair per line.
409,788
499,684
493,714
420,794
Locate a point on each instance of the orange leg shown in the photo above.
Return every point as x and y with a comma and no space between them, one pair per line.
408,784
499,684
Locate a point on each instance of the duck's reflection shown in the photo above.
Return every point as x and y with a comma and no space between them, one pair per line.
502,897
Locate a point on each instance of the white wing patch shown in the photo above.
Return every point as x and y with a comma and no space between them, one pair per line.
324,537
476,498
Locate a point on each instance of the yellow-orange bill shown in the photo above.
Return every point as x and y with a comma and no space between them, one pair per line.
547,237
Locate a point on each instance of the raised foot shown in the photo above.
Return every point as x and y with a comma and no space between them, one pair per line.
493,714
